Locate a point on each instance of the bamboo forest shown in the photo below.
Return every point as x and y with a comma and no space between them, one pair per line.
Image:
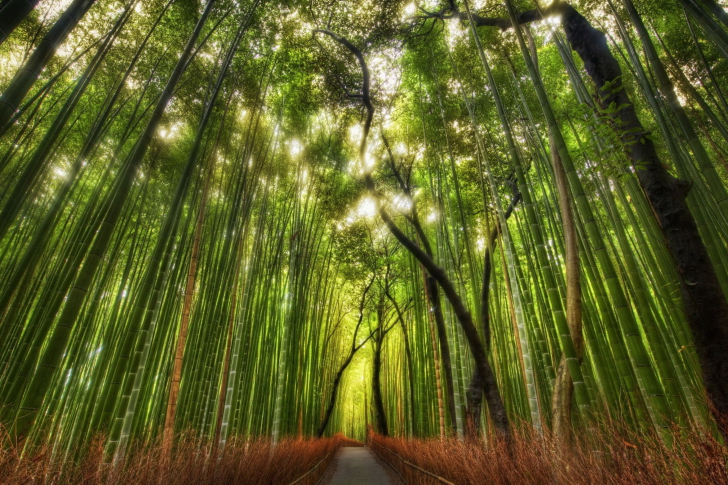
364,241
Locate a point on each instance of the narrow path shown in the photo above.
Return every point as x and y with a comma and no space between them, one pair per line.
359,466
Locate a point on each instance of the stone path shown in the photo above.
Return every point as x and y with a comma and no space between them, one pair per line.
358,466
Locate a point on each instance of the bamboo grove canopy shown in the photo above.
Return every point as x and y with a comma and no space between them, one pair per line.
268,218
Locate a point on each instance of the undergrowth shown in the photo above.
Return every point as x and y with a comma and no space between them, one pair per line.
612,456
252,462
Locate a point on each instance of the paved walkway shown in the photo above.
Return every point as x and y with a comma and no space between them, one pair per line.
357,466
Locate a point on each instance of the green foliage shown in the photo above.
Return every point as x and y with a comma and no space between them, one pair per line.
290,236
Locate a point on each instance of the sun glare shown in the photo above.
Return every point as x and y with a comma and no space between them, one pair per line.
367,208
295,147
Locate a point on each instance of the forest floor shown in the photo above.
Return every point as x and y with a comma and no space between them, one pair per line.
358,465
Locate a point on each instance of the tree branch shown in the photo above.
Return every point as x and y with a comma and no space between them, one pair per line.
490,385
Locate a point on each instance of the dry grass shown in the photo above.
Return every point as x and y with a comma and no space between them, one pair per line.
253,462
615,457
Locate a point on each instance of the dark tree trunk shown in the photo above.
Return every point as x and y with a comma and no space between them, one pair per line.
489,384
40,159
704,301
475,389
352,351
332,399
13,12
29,73
715,9
492,393
410,366
433,296
432,292
474,411
379,413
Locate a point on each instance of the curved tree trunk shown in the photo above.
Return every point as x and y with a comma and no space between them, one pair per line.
432,294
490,385
332,398
705,304
703,298
337,379
475,388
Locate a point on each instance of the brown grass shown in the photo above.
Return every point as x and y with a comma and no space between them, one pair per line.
613,455
616,456
253,462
